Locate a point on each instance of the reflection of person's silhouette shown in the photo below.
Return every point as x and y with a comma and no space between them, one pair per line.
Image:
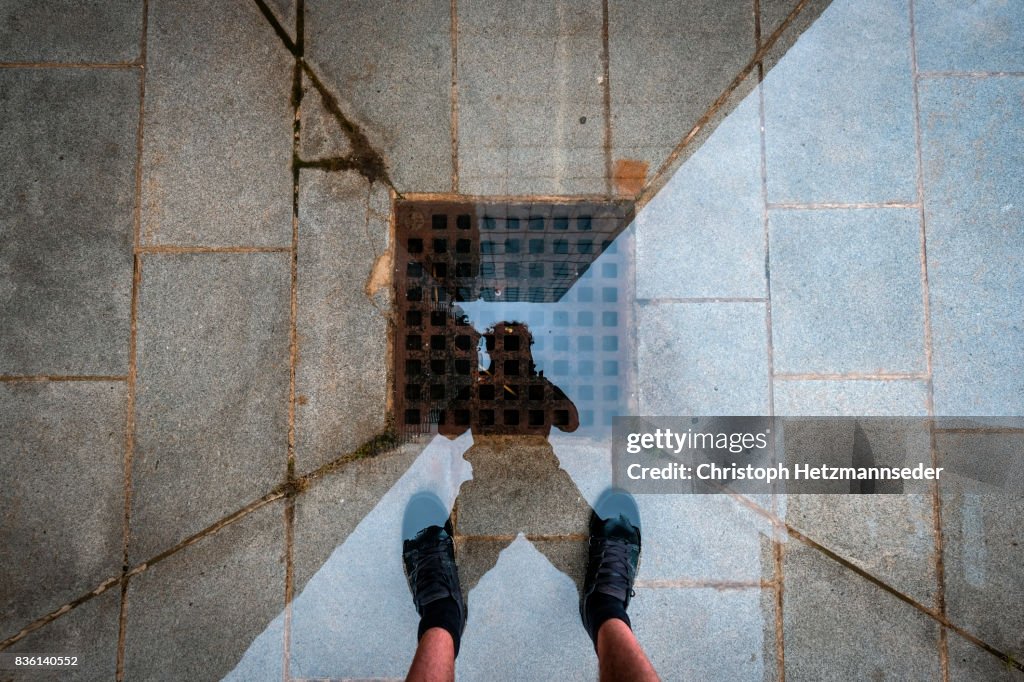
518,485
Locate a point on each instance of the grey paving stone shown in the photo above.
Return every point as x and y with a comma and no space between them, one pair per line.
218,136
394,79
838,625
706,634
953,36
322,135
970,662
192,615
668,63
72,31
62,453
529,83
983,532
89,631
702,359
341,377
67,163
328,512
846,291
703,234
703,537
841,129
972,150
860,397
211,409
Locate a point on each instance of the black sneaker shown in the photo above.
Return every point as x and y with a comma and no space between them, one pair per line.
428,555
613,561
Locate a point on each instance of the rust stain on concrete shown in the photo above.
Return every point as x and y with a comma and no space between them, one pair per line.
380,275
629,176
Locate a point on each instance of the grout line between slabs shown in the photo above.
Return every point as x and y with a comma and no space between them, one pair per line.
129,440
293,338
778,577
455,94
606,97
940,579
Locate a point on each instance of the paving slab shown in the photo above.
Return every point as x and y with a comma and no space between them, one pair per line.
702,359
332,507
668,63
982,539
846,291
341,376
393,78
707,634
836,624
839,115
67,174
774,12
62,451
211,409
891,536
70,32
192,615
89,631
703,538
702,235
856,397
529,82
970,662
982,36
218,130
972,147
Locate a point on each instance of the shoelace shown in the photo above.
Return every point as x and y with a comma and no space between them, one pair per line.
429,567
615,564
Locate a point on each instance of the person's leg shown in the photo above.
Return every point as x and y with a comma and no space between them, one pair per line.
428,555
608,587
619,655
435,658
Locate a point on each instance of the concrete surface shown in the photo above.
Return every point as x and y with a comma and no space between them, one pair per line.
207,309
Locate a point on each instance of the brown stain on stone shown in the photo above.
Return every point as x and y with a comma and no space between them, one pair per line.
380,275
629,176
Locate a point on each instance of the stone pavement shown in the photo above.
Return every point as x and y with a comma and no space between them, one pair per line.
203,472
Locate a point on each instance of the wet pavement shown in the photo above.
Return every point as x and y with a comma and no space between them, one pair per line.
207,415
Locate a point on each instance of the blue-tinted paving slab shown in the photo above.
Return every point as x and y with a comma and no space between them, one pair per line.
703,537
973,146
67,178
706,634
703,234
969,36
702,359
839,117
860,397
846,291
837,625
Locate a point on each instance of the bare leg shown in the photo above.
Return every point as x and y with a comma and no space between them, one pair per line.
435,658
619,655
